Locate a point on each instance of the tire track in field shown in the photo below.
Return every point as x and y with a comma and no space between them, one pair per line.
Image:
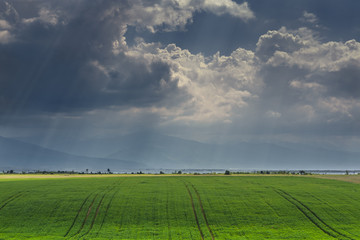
330,206
106,211
306,215
115,184
94,218
341,234
195,214
271,207
86,217
312,216
108,190
10,199
77,215
203,212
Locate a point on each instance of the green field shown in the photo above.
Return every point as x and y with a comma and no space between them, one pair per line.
183,207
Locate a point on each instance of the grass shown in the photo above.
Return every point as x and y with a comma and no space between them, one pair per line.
178,207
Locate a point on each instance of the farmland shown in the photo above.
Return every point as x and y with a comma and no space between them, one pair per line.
179,207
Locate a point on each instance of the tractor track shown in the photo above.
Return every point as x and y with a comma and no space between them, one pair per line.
77,215
86,217
341,234
300,206
195,214
94,218
108,189
10,199
106,211
114,185
203,212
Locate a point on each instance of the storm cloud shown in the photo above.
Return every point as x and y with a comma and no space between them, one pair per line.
69,62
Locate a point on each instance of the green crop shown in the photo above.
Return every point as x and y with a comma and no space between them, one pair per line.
183,207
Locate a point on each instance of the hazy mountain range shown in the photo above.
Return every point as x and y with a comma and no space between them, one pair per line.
170,152
144,150
19,156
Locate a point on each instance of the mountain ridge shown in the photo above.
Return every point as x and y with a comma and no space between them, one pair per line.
153,150
19,155
163,149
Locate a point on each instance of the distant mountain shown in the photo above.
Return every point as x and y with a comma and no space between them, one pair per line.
20,156
161,151
153,150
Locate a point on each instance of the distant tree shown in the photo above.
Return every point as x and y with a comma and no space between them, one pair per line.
227,172
161,172
108,171
179,172
87,171
302,172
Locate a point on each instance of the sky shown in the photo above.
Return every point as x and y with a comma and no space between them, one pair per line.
217,71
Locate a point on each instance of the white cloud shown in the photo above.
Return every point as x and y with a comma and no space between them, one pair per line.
338,107
291,78
273,114
8,18
309,17
220,7
278,41
292,84
177,13
326,57
5,37
305,113
317,81
307,86
45,16
217,87
4,24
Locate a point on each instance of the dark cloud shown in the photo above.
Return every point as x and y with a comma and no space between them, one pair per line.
209,33
344,83
8,13
66,65
277,92
70,66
